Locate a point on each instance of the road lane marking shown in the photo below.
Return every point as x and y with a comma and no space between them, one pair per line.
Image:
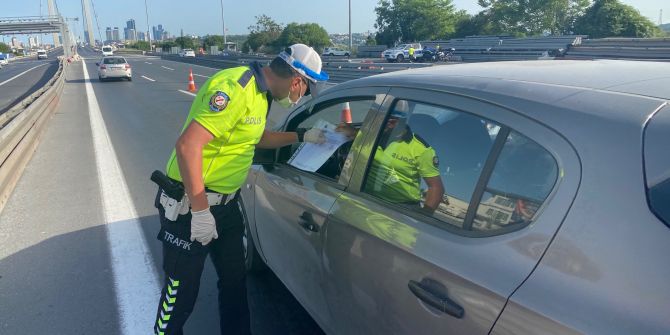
165,67
199,75
135,282
22,73
147,78
187,92
148,63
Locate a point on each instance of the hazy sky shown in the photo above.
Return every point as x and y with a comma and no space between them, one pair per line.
201,17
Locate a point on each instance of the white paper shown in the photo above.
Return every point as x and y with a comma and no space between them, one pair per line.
310,157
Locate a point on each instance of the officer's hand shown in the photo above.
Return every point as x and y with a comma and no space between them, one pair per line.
346,130
203,226
315,136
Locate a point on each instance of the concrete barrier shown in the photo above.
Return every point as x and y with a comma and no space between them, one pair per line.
21,128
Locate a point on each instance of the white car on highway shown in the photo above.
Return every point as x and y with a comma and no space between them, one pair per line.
107,51
187,53
335,52
42,54
114,67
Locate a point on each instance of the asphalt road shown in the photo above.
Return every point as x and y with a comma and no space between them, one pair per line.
20,78
56,275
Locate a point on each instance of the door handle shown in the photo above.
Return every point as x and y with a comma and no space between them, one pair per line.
306,221
438,301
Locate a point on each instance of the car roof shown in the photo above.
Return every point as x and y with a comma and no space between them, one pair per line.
651,79
557,93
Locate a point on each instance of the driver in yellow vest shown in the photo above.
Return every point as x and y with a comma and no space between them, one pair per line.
402,159
212,158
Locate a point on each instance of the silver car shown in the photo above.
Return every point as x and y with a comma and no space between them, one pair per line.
114,67
553,217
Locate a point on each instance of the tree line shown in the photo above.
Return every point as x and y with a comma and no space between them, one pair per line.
420,20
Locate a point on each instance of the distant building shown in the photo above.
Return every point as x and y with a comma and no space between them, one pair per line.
108,34
16,43
141,36
32,42
115,34
130,31
159,33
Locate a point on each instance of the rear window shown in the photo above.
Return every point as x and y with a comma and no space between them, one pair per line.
107,49
114,61
657,164
41,52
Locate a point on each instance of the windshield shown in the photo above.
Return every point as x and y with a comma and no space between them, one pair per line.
107,49
116,60
41,52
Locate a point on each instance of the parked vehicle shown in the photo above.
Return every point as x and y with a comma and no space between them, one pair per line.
4,59
114,67
42,54
335,52
107,51
554,217
401,52
187,53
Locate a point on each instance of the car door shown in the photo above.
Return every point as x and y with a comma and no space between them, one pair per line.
393,268
291,205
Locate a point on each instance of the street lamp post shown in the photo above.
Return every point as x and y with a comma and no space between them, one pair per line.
223,22
146,11
351,42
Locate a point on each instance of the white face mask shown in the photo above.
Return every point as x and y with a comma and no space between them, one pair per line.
287,102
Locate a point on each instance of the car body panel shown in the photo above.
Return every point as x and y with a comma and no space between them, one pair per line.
602,273
373,251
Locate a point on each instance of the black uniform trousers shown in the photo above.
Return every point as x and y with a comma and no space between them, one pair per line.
183,262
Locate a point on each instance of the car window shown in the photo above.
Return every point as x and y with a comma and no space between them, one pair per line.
113,61
523,177
657,164
429,159
332,114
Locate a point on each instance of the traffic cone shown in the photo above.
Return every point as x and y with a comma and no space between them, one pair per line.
191,83
346,113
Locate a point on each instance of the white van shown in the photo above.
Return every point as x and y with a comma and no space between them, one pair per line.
107,51
42,54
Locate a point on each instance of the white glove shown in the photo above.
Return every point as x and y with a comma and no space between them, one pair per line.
315,136
203,226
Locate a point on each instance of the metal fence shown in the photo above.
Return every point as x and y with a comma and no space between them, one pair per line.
21,128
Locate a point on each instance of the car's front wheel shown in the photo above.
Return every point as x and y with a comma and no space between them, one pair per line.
400,58
253,261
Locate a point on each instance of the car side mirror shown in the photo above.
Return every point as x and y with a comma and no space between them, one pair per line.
265,156
97,64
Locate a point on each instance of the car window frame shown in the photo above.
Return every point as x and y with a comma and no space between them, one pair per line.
334,97
437,98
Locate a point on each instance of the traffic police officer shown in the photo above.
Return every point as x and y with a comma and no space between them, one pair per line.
212,158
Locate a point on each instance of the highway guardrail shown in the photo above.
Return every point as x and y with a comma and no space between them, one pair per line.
339,71
21,128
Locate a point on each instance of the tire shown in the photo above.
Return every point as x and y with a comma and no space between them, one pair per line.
346,55
400,58
130,78
100,79
252,259
331,54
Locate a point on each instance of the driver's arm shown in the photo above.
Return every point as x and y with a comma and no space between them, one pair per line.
434,194
430,172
